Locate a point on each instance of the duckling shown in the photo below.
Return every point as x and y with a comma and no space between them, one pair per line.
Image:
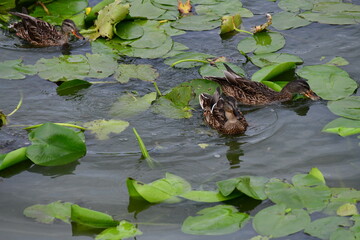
249,92
221,114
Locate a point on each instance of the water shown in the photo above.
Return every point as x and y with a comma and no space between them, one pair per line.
282,139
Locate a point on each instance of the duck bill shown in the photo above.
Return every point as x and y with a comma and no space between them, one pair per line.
310,94
78,35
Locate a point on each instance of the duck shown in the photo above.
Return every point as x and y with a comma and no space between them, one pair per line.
42,34
248,92
221,114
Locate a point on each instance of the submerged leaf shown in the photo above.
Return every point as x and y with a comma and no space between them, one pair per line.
348,107
125,229
143,72
103,128
54,145
48,213
14,69
343,127
218,220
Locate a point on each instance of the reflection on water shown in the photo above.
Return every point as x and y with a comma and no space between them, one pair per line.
234,153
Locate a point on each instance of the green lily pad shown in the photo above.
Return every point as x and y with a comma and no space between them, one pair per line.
175,104
103,128
48,213
262,42
200,86
145,9
333,7
208,196
197,23
338,61
14,69
229,23
167,188
333,18
94,11
343,126
252,186
72,87
279,221
218,220
153,36
143,72
129,105
63,68
343,234
220,9
125,229
348,107
266,59
54,145
272,71
166,26
91,218
128,30
339,197
329,82
12,158
176,49
101,65
218,70
324,227
188,59
288,20
295,5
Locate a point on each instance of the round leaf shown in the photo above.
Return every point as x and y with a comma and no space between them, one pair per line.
262,42
277,221
348,107
266,59
197,23
128,30
287,20
324,227
343,127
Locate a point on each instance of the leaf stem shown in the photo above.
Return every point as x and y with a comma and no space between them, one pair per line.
18,106
244,31
188,60
143,150
61,124
158,93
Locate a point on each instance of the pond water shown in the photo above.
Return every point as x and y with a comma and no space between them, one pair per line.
282,140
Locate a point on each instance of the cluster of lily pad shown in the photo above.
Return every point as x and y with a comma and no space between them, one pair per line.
293,204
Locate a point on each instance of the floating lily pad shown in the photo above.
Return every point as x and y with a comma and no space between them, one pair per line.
208,196
14,69
103,128
329,82
129,30
339,197
262,42
220,9
287,20
272,71
218,70
295,5
130,104
279,221
101,65
324,227
197,23
218,220
91,218
334,7
176,49
170,30
72,87
145,9
125,229
348,107
63,68
266,59
12,158
48,213
143,72
343,127
54,145
153,36
333,18
200,86
188,59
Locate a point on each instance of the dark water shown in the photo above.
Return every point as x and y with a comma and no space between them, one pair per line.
282,140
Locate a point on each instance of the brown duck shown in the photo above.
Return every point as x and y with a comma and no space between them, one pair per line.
42,34
249,92
221,114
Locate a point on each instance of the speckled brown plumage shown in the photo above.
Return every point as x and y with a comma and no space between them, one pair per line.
42,34
221,114
248,92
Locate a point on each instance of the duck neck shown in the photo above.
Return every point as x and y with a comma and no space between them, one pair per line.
284,94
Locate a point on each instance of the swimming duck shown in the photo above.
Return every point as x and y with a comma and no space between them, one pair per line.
249,92
221,114
42,34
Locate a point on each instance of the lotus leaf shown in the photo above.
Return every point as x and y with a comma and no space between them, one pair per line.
218,220
197,23
348,107
145,9
129,105
103,128
91,218
272,71
125,229
287,20
101,65
12,158
188,59
63,68
54,145
262,42
14,69
324,227
266,59
329,82
343,127
128,30
295,5
143,72
48,213
278,221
